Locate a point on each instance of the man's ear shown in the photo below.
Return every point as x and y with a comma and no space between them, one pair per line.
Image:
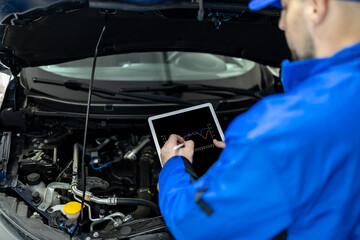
318,10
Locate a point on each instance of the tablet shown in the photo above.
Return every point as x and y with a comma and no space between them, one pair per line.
198,123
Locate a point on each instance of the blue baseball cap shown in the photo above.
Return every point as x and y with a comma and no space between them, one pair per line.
260,4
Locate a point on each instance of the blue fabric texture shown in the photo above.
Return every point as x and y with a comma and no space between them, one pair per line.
292,162
255,5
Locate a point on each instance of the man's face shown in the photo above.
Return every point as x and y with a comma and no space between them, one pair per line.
293,22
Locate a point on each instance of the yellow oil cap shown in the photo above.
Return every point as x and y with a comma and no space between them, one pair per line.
72,207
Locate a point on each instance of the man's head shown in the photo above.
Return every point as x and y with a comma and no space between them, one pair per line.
316,28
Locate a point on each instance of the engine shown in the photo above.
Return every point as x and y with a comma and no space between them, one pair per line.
118,190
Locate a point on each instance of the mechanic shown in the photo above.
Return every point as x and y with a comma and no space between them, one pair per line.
292,161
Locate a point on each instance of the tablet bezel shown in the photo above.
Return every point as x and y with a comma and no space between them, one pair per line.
164,115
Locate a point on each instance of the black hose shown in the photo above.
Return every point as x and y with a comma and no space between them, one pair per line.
137,201
142,211
65,199
144,167
143,192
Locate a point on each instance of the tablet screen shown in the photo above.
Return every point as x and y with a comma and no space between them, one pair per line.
197,123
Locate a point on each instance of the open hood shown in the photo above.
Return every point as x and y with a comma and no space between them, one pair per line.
69,30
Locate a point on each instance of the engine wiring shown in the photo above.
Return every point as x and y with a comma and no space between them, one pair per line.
102,166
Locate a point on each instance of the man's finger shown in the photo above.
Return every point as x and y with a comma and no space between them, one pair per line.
189,144
219,144
174,138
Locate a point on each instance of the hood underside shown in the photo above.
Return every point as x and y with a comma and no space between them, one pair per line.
70,30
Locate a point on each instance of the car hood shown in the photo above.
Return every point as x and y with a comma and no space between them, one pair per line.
40,32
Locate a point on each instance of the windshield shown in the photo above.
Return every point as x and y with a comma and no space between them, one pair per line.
155,66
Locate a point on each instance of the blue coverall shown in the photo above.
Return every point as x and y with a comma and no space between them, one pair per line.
291,162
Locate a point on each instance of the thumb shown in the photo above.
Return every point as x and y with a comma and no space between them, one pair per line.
219,144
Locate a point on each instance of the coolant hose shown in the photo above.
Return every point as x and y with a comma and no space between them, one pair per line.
144,192
144,167
142,211
137,201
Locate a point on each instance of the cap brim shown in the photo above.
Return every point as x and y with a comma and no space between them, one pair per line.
260,4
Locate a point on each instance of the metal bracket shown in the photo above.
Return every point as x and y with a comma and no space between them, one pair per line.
49,193
25,194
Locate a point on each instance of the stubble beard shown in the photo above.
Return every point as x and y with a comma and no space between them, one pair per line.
307,51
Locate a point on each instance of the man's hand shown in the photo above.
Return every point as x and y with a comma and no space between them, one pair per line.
168,151
219,144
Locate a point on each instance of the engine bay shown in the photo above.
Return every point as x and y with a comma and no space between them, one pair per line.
122,170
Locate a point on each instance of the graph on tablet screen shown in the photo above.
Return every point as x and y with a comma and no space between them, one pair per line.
202,137
199,125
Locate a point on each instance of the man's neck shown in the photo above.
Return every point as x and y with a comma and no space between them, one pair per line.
328,51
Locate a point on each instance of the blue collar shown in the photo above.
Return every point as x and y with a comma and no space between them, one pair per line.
293,73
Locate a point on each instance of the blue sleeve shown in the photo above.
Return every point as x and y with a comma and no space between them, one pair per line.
240,197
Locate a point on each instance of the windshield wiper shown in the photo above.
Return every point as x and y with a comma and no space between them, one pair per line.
178,87
78,86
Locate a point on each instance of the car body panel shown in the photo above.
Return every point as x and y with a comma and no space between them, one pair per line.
67,31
